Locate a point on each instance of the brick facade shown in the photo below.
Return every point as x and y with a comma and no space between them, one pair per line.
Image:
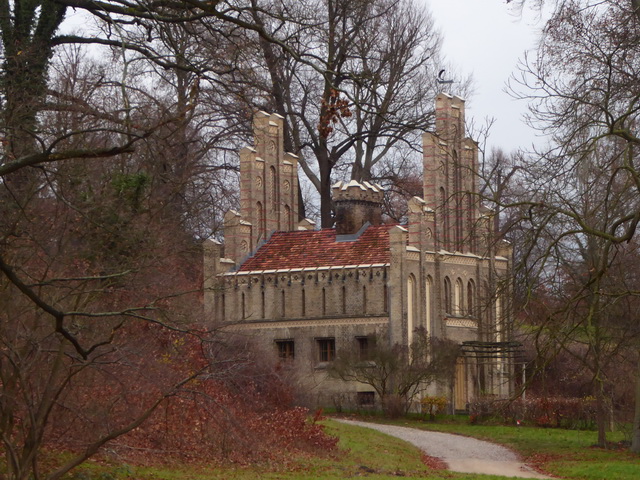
302,293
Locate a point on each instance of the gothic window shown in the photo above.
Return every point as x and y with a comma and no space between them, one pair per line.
344,300
445,218
499,312
223,306
458,305
273,194
385,298
324,301
262,309
364,299
485,296
287,218
471,293
470,225
447,296
243,307
457,187
260,221
411,293
326,349
427,303
304,303
282,304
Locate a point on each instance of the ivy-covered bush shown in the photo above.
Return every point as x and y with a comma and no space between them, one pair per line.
555,412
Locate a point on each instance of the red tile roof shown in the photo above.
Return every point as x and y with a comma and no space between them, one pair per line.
318,248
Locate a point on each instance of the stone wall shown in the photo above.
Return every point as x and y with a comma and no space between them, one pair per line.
304,293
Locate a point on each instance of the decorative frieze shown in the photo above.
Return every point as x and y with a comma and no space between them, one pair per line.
461,322
310,323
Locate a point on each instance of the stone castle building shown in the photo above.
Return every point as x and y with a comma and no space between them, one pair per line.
305,294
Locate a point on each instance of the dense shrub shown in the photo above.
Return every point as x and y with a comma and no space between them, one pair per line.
557,412
432,405
239,409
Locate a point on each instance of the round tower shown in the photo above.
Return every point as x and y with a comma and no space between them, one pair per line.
356,204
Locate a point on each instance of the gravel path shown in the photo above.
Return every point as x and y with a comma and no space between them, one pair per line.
462,454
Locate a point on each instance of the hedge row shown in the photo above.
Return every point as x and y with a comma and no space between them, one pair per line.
556,412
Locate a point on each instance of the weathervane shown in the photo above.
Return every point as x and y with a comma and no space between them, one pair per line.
441,80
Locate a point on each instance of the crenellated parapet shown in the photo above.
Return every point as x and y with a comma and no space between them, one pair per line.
356,191
356,204
303,293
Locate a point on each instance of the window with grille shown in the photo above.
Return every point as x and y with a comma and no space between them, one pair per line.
471,292
326,349
365,347
286,349
447,296
366,399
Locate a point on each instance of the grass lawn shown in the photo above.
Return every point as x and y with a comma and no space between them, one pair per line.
563,453
372,455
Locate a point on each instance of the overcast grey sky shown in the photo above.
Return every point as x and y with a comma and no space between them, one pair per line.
486,38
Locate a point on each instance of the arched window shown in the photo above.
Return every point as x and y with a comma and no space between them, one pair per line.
364,299
385,298
411,294
447,296
500,309
470,224
262,309
499,318
445,219
344,300
427,304
273,191
287,218
282,305
304,304
324,301
260,221
457,187
243,307
458,300
471,294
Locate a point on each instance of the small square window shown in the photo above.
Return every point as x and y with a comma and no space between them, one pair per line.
326,349
286,349
366,399
365,347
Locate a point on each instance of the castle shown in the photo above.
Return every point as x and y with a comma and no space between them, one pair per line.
305,294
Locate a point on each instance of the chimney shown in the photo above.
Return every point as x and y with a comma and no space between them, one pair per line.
356,204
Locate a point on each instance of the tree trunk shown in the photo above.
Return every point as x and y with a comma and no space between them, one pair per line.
635,434
325,166
326,217
601,414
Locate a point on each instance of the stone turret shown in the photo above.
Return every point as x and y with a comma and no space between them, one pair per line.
356,204
450,182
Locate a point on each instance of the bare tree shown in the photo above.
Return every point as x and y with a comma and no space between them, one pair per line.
398,373
358,89
99,267
582,207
